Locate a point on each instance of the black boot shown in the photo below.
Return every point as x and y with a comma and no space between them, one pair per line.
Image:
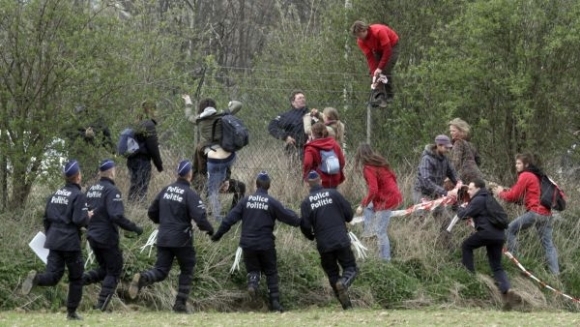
73,315
342,285
253,284
180,306
29,282
102,304
275,305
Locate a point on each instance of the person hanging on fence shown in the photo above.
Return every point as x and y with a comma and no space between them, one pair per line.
106,201
324,214
464,156
324,155
174,208
380,45
481,206
65,214
218,159
527,191
258,213
139,164
289,127
383,196
229,185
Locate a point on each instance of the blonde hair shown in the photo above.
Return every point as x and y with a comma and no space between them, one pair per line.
462,125
331,113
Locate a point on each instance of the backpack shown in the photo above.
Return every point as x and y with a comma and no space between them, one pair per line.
551,196
330,164
235,135
496,214
128,145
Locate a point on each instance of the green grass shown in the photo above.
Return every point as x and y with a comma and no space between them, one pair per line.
314,317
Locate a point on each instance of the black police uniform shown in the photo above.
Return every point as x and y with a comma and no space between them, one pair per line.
324,214
139,165
105,199
65,214
258,213
291,124
173,209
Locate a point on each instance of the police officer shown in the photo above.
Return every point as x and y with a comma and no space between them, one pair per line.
66,212
173,209
104,198
324,214
258,213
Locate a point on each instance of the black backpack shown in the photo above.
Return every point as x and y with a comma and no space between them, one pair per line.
551,196
235,135
496,214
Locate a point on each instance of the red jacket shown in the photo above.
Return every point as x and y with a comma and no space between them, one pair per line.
527,188
383,191
380,39
313,159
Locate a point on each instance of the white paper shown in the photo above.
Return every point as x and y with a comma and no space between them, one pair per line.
37,245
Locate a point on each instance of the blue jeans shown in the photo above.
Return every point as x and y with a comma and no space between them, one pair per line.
543,226
383,219
216,174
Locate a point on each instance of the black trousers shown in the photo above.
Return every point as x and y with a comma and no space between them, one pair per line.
388,70
140,174
331,261
57,260
493,245
186,260
110,260
257,261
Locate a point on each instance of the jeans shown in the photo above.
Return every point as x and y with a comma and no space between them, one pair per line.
543,226
493,244
216,174
380,228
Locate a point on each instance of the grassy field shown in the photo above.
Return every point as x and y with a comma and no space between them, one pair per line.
315,317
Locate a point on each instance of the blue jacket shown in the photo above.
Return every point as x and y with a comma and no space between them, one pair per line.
325,213
66,212
258,213
105,199
173,209
291,124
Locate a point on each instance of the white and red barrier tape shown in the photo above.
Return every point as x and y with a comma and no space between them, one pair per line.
527,273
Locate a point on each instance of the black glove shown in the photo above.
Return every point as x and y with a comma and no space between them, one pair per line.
209,232
138,230
216,238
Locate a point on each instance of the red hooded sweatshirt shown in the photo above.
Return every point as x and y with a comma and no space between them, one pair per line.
527,188
383,190
313,160
380,39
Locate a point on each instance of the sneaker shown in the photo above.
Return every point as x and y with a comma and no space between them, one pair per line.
29,282
73,316
342,294
135,286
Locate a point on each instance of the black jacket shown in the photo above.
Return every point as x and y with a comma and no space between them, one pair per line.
258,213
173,209
104,198
324,215
477,210
146,135
291,124
66,212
